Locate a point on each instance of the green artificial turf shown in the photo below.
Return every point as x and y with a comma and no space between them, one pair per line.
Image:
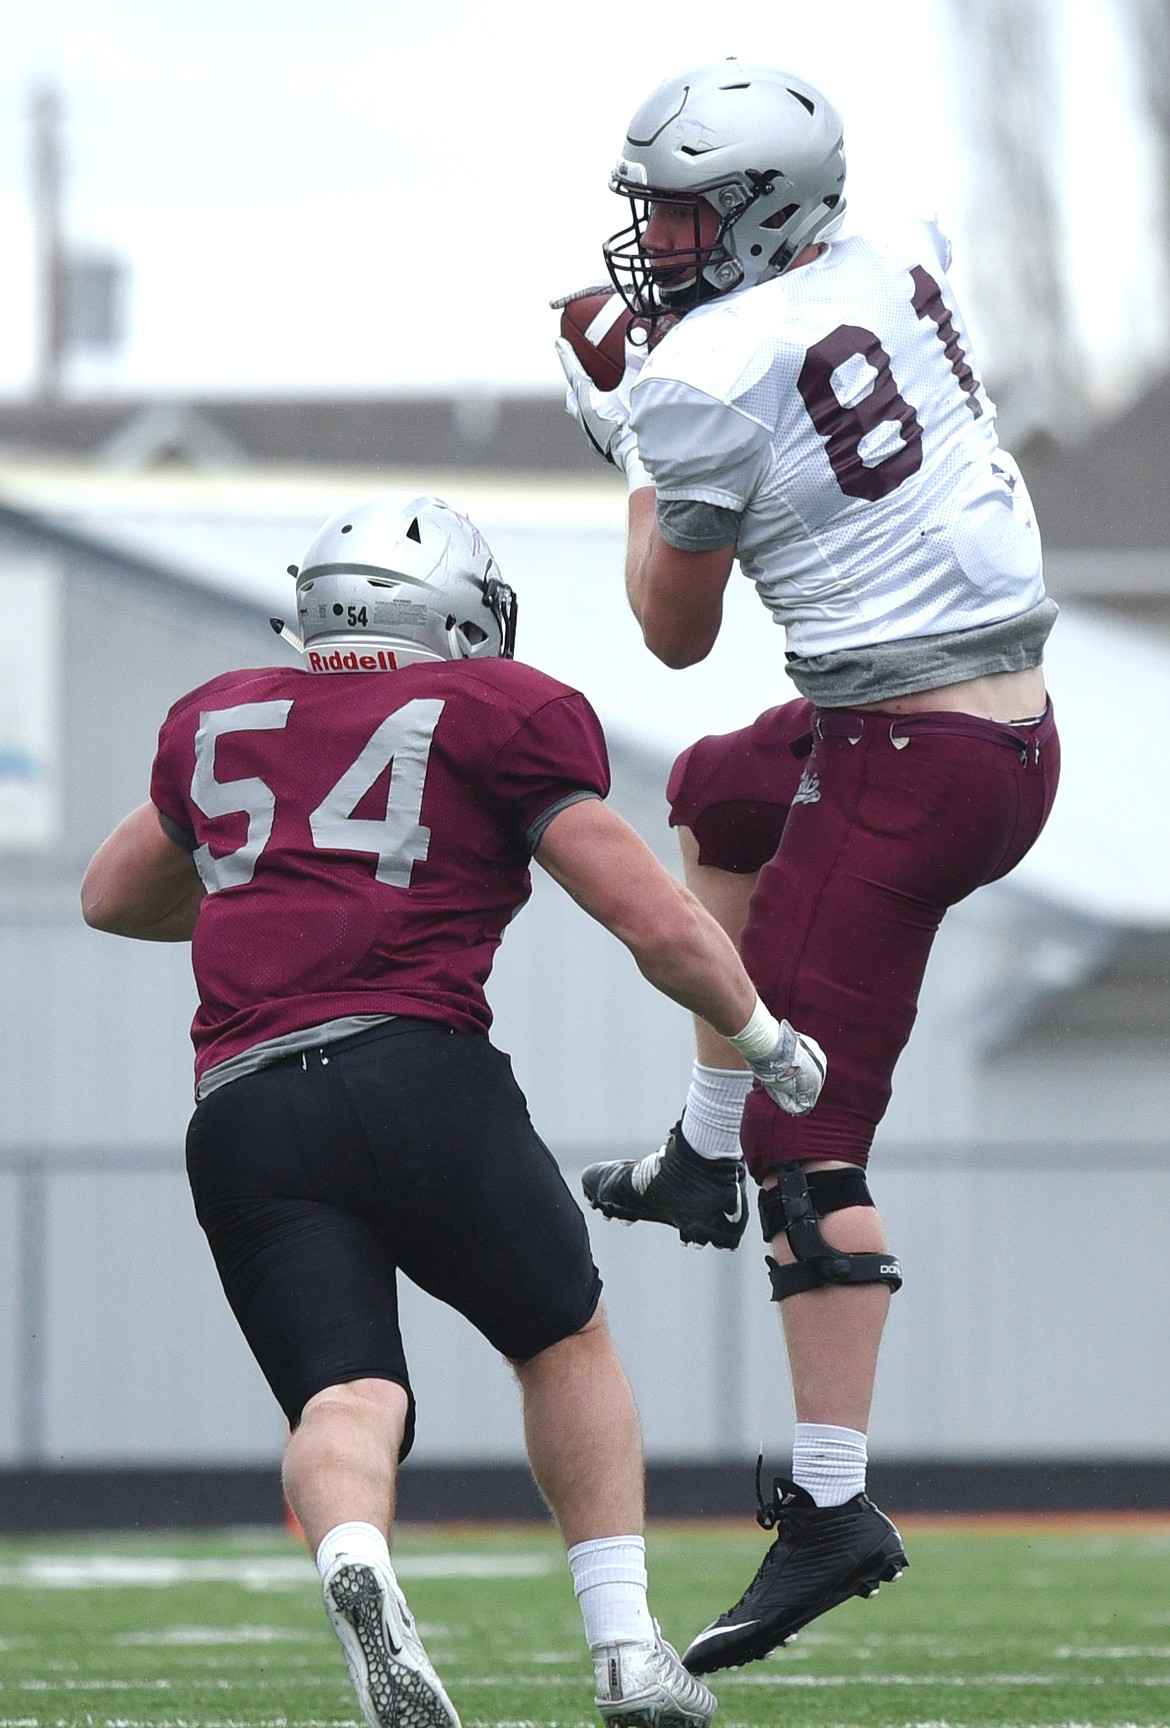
1048,1628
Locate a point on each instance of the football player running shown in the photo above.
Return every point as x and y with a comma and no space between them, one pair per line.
344,846
811,409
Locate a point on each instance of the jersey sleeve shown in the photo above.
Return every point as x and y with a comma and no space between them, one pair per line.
696,447
555,757
938,241
170,777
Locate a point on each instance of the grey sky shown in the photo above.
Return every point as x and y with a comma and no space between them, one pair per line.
385,195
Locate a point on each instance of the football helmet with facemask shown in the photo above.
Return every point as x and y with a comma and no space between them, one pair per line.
761,147
385,584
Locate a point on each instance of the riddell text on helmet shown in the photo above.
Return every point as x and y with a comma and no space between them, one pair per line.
382,661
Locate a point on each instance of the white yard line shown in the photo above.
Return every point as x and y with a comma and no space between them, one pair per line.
252,1572
954,1682
197,1636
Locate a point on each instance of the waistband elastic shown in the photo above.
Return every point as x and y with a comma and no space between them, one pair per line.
390,1028
853,724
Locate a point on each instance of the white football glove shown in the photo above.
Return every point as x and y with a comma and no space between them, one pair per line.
604,415
793,1073
789,1065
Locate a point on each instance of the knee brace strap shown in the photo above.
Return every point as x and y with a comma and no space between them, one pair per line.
795,1205
826,1191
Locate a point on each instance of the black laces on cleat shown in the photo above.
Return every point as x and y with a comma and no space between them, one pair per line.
770,1512
767,1512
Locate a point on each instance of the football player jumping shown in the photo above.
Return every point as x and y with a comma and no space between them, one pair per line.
813,411
344,846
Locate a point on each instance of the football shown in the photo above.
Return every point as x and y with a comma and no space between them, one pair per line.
594,322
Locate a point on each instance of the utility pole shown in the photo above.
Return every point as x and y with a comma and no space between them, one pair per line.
47,162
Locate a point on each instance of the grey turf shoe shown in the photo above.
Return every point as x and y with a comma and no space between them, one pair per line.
822,1555
704,1199
392,1674
646,1684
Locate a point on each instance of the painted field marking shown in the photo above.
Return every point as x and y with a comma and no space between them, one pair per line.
1112,1652
814,1682
957,1682
253,1572
197,1636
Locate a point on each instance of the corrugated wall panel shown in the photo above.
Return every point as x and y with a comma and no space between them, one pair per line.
1019,1334
1033,1320
94,1048
602,1058
11,1315
143,1358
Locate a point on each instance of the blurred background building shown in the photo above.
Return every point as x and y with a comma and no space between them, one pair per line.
157,475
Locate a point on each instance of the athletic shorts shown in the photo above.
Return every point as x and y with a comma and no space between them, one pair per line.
407,1148
864,828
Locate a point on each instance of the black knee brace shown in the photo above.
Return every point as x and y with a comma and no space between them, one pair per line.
795,1205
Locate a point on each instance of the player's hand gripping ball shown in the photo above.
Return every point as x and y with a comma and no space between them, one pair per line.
596,322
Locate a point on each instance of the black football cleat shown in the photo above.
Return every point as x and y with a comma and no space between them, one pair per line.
822,1555
704,1199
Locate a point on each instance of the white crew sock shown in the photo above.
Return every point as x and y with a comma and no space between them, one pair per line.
829,1462
609,1577
715,1101
362,1543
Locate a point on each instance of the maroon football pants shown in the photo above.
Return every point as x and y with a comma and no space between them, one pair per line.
864,828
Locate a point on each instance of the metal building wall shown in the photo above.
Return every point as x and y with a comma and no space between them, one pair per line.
115,1342
1007,1343
1022,1332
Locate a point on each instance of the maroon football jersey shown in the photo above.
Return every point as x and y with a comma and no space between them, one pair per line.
364,838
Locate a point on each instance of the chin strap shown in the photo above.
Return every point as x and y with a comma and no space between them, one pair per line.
287,635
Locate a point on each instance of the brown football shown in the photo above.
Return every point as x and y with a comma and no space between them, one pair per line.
594,324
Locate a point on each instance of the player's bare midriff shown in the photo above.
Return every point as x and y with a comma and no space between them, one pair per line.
1005,697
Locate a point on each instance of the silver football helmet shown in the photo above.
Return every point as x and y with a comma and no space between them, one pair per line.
385,584
762,147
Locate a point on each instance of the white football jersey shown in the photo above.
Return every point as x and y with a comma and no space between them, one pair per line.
836,409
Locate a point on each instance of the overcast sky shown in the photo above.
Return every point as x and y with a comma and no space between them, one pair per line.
382,194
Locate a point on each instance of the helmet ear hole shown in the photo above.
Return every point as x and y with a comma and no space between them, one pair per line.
414,532
779,217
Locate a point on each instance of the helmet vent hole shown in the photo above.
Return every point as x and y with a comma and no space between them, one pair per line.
779,217
414,532
347,528
832,201
337,610
803,100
